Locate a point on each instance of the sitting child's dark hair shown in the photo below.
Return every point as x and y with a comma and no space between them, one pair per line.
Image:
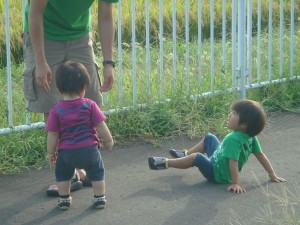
71,77
251,114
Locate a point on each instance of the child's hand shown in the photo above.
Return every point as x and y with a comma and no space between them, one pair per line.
109,145
275,178
236,188
51,158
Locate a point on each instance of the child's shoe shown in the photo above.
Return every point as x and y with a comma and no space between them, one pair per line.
64,203
157,163
178,153
99,203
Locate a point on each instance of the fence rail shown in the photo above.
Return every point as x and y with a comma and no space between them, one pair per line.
240,57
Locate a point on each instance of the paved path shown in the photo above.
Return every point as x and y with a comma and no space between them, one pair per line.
139,196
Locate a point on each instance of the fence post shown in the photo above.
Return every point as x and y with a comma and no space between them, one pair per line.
241,48
8,66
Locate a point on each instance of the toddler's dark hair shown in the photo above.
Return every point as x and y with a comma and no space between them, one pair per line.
252,114
71,78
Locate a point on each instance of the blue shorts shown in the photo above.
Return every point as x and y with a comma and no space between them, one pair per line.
204,162
88,158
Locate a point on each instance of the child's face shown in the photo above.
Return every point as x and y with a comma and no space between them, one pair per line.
233,121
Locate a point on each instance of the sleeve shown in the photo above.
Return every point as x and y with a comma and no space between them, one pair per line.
97,115
52,122
231,149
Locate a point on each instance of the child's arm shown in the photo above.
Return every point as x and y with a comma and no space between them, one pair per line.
52,139
105,134
234,173
264,161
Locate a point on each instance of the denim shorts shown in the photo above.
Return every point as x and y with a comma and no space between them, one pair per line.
88,158
204,162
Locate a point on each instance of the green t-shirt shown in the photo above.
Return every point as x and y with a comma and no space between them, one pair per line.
65,20
236,145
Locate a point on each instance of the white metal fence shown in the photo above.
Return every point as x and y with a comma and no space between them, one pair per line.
244,63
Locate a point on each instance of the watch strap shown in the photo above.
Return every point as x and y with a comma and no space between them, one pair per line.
109,62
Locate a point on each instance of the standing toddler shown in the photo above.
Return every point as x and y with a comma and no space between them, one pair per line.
73,127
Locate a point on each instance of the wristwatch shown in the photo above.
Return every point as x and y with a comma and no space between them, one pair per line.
110,62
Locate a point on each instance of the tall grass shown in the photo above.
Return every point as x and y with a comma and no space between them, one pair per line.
222,79
16,21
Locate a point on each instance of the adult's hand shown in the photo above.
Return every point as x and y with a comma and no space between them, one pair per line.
43,76
108,76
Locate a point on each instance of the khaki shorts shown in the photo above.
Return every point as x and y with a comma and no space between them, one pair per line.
80,50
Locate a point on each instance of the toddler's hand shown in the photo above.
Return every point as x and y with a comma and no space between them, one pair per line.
275,178
109,145
51,158
236,188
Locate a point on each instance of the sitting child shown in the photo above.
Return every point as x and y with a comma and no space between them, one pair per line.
224,161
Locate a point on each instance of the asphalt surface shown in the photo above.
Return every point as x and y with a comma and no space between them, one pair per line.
139,196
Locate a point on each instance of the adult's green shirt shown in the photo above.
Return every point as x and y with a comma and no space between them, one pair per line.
236,145
65,20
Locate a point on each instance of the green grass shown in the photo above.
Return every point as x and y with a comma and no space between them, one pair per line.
163,120
181,115
192,117
16,21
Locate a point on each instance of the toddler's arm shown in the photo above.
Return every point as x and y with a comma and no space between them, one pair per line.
234,174
264,161
52,139
105,134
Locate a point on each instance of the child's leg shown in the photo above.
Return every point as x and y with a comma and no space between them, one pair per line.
202,162
95,172
159,163
182,163
211,143
98,188
207,145
99,200
197,148
65,198
64,187
63,173
183,153
205,166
